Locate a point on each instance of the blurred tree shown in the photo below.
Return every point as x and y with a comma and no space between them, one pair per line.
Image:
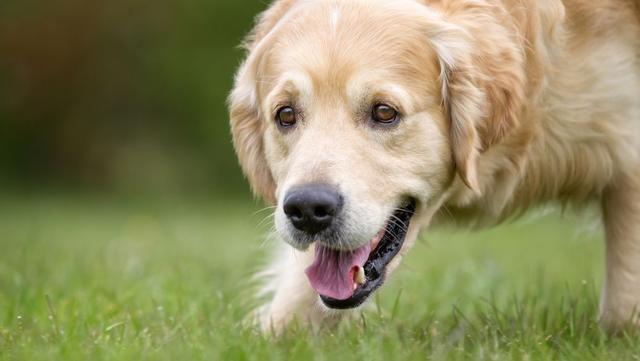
125,94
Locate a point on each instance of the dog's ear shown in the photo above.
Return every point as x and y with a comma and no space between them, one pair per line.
247,131
266,21
483,90
247,126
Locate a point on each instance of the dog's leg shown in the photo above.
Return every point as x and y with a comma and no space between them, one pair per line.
620,300
292,298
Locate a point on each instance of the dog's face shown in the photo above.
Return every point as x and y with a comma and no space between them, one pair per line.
340,117
356,112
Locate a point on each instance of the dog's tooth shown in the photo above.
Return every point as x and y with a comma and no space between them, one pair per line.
360,277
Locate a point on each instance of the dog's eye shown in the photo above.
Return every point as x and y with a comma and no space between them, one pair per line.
383,113
286,116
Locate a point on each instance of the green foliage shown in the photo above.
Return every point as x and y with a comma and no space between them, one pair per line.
119,279
121,94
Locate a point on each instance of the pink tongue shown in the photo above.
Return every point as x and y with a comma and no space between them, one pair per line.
332,272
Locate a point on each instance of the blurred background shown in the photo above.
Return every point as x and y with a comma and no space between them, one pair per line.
120,95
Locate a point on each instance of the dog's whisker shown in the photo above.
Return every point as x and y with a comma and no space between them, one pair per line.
265,219
399,222
271,236
448,212
268,208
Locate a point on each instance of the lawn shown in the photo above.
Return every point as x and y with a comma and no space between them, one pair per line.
114,278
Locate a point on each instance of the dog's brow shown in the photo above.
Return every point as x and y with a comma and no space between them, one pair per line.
363,89
291,84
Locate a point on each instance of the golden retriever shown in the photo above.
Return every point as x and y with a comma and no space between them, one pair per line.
365,121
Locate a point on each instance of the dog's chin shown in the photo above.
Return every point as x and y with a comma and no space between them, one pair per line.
359,272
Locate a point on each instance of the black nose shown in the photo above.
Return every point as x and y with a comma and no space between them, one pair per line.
312,208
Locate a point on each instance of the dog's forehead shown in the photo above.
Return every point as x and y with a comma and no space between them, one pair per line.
348,45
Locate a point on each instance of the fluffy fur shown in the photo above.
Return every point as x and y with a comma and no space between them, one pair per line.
506,104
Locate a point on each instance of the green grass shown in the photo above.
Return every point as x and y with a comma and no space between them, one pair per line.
96,278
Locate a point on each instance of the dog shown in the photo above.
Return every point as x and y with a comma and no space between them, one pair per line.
365,121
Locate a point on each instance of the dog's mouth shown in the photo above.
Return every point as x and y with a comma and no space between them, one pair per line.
345,279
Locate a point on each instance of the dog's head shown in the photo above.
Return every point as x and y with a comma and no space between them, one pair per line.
355,117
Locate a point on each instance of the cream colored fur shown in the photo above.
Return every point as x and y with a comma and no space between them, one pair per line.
508,105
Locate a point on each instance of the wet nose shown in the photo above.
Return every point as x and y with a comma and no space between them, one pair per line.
312,208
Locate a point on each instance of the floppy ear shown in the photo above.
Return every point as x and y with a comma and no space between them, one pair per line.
483,90
463,105
247,126
247,131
